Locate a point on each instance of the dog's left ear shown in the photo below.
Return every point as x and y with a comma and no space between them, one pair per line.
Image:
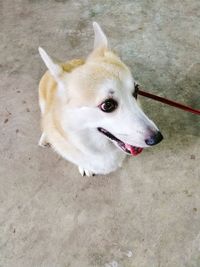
100,39
100,42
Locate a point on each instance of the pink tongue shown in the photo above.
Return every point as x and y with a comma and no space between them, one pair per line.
132,150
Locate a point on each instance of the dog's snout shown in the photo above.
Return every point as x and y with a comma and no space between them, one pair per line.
154,139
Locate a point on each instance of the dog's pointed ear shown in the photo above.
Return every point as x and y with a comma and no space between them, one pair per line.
100,42
100,39
54,68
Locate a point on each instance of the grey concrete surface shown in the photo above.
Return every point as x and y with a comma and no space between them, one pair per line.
147,214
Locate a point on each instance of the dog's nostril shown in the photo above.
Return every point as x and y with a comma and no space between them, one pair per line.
154,139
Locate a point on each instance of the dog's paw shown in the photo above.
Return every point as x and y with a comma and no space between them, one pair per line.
85,172
43,141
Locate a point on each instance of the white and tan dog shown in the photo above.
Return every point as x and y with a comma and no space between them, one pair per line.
89,108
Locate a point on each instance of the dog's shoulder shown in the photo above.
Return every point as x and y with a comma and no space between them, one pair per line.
47,88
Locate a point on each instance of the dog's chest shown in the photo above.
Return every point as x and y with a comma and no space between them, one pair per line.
100,155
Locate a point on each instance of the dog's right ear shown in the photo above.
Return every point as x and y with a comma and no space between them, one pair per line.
54,68
100,42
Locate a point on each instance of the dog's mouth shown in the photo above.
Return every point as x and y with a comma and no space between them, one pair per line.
133,150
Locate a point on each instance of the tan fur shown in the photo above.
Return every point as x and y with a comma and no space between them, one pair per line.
48,85
47,94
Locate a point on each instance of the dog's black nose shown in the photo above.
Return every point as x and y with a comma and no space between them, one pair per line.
154,139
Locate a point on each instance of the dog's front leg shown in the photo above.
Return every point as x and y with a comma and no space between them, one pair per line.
43,141
85,172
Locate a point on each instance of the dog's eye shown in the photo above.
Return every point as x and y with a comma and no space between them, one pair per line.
109,105
135,94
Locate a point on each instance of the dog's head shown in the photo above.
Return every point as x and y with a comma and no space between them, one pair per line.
101,95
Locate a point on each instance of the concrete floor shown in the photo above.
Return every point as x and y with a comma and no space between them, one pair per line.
147,214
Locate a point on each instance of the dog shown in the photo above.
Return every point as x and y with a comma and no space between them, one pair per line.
89,110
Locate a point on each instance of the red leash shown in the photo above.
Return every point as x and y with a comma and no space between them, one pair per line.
169,102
